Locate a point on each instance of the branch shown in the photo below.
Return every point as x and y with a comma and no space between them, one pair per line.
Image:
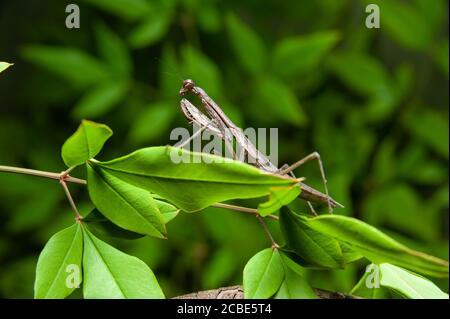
242,209
70,199
255,213
51,175
236,292
233,292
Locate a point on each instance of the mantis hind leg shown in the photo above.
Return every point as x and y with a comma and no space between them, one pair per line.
313,156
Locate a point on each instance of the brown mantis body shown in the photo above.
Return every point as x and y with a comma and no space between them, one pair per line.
219,124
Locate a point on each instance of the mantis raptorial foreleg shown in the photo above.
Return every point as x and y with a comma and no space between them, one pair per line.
187,141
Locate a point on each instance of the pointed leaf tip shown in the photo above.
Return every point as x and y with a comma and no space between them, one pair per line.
85,143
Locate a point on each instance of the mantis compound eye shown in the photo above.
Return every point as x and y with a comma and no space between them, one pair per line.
187,86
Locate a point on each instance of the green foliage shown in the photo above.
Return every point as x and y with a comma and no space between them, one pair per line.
405,24
127,206
350,255
360,72
4,66
263,274
277,98
376,291
270,273
159,114
313,247
132,10
114,52
202,69
373,102
85,143
408,284
432,129
100,99
74,65
205,179
101,226
278,198
398,280
294,285
247,46
107,273
312,49
377,246
64,249
154,26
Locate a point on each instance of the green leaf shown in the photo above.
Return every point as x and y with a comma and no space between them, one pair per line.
205,179
85,143
154,26
53,271
129,10
100,99
402,208
367,286
298,55
377,246
279,197
4,66
385,277
112,274
361,73
429,172
74,65
409,284
127,206
153,122
169,73
99,225
209,17
278,100
350,255
440,55
294,285
432,128
313,247
405,24
246,44
433,11
263,274
167,210
149,32
202,70
113,51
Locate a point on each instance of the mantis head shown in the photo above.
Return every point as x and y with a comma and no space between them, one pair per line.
187,86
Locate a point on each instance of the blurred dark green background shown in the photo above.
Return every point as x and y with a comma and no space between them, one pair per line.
373,102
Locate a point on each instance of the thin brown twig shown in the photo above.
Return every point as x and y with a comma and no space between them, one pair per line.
243,210
267,231
255,213
70,199
64,177
51,175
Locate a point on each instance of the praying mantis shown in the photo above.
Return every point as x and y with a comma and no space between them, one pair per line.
219,124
